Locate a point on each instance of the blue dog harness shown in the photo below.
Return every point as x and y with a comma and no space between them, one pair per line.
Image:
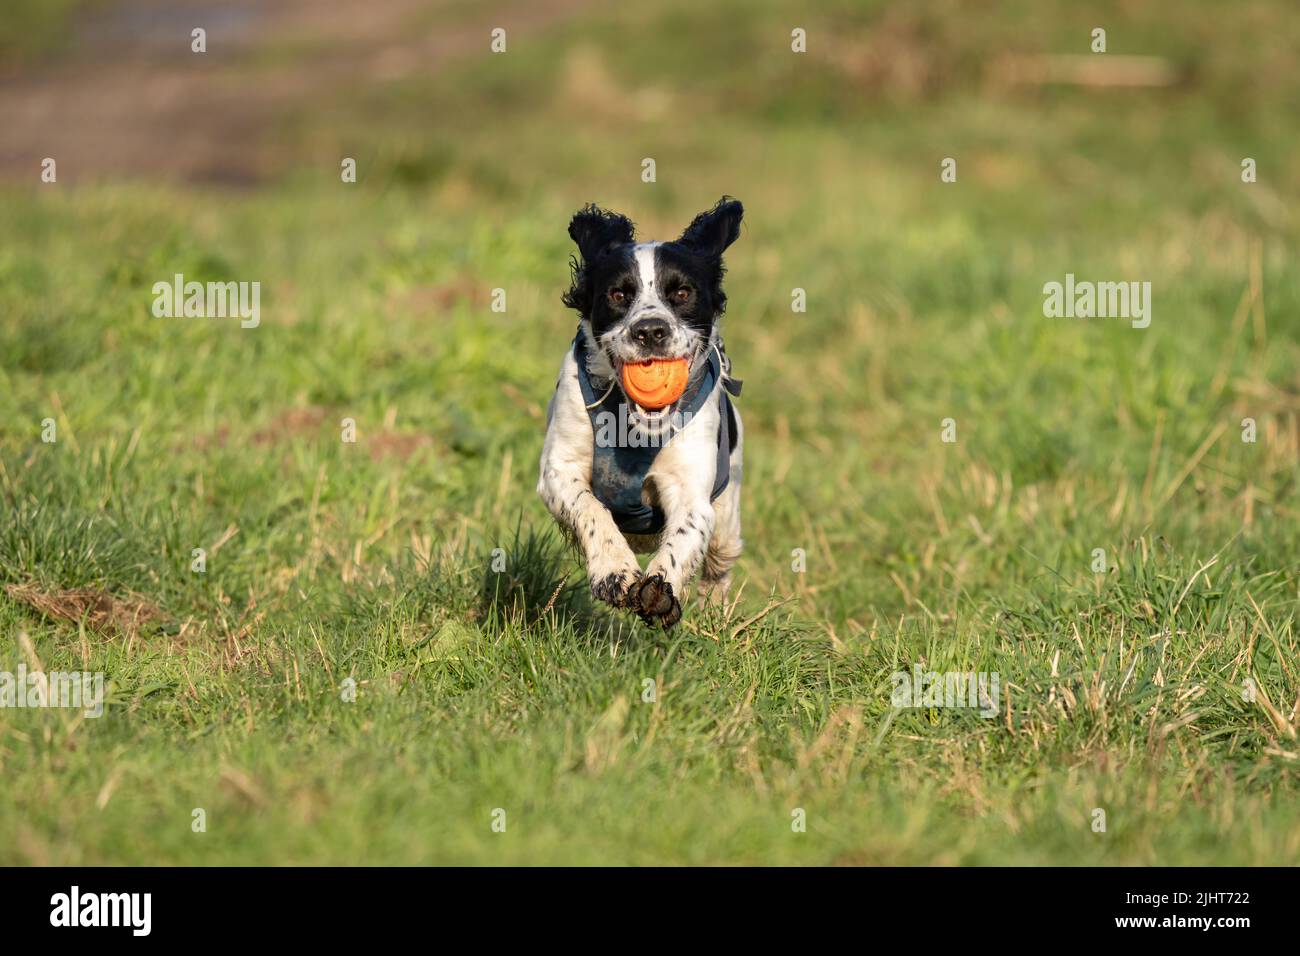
619,467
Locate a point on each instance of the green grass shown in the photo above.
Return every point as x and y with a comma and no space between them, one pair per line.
372,561
31,28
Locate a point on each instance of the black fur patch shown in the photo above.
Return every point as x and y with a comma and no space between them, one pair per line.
693,262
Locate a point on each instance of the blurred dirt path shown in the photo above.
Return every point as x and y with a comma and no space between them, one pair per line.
128,98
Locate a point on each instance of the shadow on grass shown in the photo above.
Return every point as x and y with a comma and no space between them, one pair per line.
537,584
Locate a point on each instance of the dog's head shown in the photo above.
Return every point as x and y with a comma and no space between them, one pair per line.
654,299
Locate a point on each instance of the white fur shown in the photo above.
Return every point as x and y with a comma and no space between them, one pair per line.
647,301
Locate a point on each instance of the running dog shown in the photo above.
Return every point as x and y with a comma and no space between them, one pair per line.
622,477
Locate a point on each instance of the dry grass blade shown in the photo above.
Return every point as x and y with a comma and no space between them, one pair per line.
751,621
1283,726
99,609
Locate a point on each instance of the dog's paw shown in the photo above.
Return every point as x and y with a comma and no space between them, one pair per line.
614,588
653,599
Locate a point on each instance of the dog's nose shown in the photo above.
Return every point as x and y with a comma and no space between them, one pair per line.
650,331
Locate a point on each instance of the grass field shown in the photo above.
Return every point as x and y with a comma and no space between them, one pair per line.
1124,691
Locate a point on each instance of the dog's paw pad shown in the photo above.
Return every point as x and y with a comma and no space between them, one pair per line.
655,602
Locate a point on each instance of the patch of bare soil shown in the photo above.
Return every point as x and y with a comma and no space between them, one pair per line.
307,422
100,610
129,98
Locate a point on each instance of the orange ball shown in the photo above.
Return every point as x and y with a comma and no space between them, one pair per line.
656,383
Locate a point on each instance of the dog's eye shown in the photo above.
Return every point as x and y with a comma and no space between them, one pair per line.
617,296
682,294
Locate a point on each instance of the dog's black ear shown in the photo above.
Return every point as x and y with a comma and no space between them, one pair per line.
712,231
595,230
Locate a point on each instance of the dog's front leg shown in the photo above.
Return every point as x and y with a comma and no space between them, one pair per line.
611,566
688,525
565,486
683,479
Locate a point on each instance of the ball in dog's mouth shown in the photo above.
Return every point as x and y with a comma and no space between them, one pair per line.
656,383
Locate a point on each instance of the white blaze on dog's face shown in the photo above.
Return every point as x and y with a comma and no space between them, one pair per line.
651,300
